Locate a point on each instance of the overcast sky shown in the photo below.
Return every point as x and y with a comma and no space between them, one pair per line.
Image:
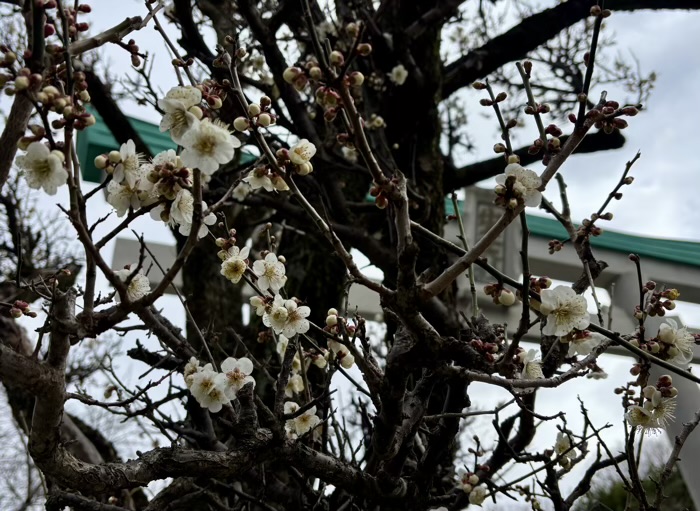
662,202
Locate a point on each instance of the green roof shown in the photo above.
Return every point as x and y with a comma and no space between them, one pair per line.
98,139
677,251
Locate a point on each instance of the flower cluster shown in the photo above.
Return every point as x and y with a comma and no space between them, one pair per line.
212,389
206,144
342,353
672,343
518,186
295,159
259,115
468,482
658,405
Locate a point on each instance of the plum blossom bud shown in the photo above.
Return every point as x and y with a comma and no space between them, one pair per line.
629,180
331,320
115,156
506,299
499,148
264,120
254,109
353,29
101,162
332,312
291,74
356,78
21,83
315,73
479,85
364,49
240,123
84,96
596,10
336,58
15,312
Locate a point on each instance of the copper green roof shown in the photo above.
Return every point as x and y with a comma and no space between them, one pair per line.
98,139
677,251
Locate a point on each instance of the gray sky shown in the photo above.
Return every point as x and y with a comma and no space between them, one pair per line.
662,201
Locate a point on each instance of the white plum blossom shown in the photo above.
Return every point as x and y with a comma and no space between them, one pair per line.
296,319
209,388
238,374
241,191
478,495
260,305
653,415
466,481
192,367
565,310
208,145
129,168
526,184
295,385
532,368
286,317
258,178
234,266
43,168
177,104
131,193
398,75
270,272
210,219
302,424
302,152
679,340
562,448
342,353
583,343
139,285
182,207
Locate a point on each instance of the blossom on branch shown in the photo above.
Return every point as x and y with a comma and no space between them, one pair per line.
209,388
270,272
238,374
43,168
301,424
235,265
565,310
532,367
129,167
398,75
139,285
180,112
680,341
207,146
520,185
302,152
